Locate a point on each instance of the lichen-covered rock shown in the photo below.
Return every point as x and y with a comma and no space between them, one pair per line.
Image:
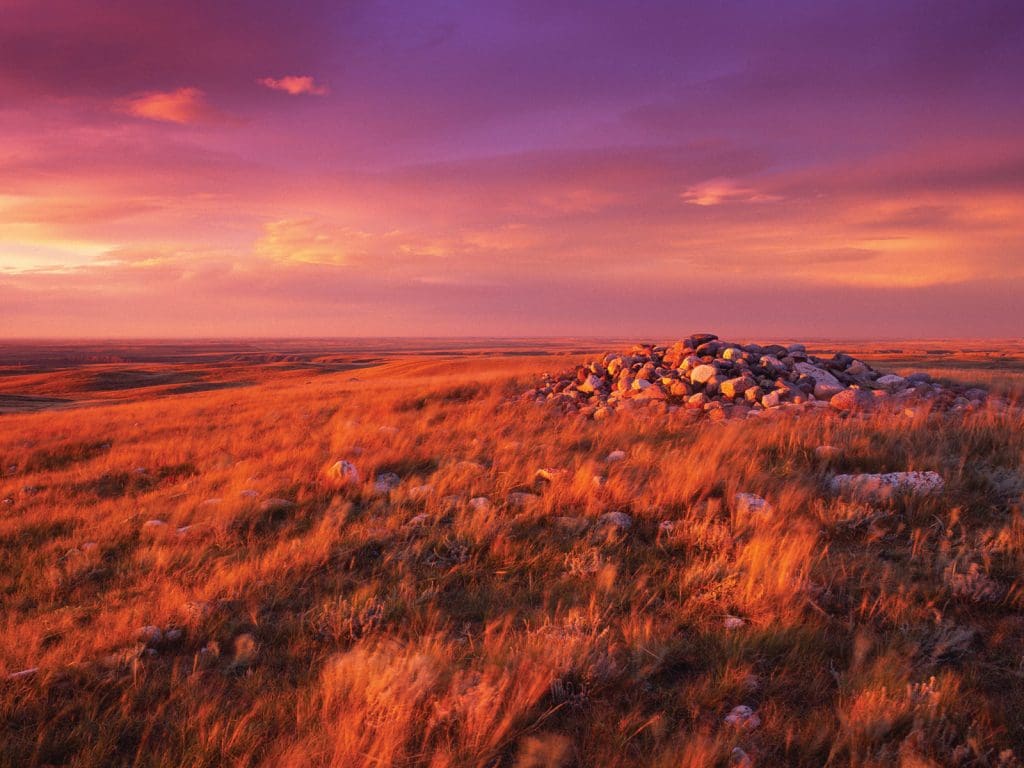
887,484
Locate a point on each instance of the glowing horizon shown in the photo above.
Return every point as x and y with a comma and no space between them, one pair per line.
536,169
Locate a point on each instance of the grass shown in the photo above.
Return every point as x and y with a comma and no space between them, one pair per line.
357,629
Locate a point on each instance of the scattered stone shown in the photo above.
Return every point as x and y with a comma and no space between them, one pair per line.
150,635
154,526
173,635
887,484
740,759
343,473
620,520
246,650
733,622
615,456
480,503
386,482
550,474
666,526
743,717
752,503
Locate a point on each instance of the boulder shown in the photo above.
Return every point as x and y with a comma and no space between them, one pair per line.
852,400
702,373
735,387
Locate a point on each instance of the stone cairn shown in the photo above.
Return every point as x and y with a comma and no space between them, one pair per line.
704,375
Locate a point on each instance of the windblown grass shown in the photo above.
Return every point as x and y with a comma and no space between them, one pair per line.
357,629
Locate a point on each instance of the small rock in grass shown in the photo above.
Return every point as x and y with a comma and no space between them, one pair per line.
888,483
550,474
826,452
173,635
153,526
615,456
386,482
620,520
740,759
480,503
743,717
733,622
343,473
248,493
150,635
24,674
419,520
752,503
246,650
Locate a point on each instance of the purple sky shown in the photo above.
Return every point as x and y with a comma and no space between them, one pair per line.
318,168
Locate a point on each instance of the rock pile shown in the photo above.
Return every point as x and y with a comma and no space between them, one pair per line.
704,374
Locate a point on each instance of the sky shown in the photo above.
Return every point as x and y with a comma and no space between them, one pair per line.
186,168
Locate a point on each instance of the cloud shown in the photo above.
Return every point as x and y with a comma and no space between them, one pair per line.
309,241
718,191
295,85
182,106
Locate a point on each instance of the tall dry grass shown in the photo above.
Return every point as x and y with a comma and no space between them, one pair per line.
352,628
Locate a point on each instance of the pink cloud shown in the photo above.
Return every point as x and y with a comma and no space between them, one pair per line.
295,85
182,106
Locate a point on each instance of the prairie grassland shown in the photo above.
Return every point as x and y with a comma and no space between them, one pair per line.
350,627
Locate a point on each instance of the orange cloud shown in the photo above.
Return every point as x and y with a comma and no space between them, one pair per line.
295,85
181,106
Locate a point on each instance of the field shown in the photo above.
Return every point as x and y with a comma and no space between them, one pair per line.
183,582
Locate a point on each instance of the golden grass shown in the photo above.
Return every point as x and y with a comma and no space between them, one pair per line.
357,629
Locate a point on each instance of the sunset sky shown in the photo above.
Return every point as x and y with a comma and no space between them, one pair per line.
198,168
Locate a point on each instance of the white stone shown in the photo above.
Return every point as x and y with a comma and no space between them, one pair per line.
891,381
743,717
343,472
888,483
751,502
614,456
